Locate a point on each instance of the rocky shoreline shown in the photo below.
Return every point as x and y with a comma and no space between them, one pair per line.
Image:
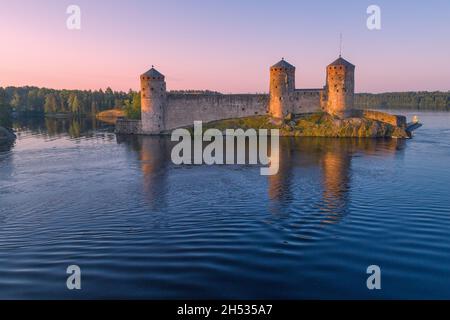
6,136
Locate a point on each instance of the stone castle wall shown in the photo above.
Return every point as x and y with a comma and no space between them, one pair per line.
127,126
306,101
395,120
183,109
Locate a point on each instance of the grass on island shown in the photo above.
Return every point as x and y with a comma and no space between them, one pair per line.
253,122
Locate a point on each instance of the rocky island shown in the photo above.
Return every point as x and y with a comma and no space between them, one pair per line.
110,116
319,124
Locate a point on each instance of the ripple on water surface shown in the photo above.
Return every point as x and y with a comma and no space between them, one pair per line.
141,227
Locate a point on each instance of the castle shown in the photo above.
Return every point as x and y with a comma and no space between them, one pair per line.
163,111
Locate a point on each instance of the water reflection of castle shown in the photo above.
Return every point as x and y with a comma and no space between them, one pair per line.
331,158
154,157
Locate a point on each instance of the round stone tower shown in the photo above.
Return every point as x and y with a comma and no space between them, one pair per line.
282,86
153,101
340,87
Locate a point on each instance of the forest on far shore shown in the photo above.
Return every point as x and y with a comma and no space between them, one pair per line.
438,100
33,101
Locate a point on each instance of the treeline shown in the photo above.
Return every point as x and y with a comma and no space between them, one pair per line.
32,101
36,101
404,100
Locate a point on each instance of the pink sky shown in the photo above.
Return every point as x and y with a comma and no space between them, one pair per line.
223,46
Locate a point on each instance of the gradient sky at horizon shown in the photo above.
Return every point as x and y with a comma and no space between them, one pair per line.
221,45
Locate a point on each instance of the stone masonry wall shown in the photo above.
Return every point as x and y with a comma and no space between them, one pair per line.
183,109
340,89
306,101
125,126
395,120
282,84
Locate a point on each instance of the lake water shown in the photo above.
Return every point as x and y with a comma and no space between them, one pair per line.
74,193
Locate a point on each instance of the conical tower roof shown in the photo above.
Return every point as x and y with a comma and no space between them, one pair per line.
341,62
283,64
153,73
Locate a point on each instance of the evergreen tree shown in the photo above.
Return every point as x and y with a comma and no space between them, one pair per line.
50,105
